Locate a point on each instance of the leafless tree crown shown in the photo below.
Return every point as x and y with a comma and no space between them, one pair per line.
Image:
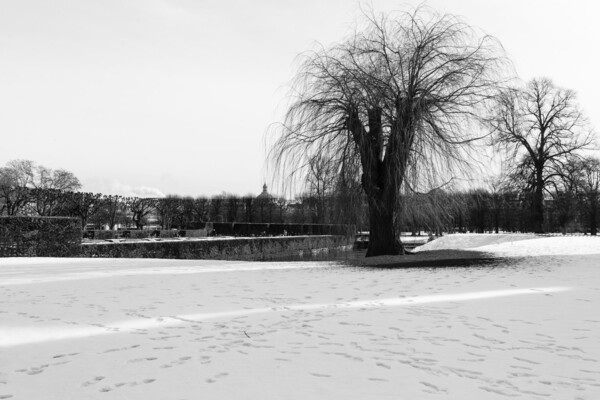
542,127
403,94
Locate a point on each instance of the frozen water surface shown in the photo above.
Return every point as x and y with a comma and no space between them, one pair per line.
168,329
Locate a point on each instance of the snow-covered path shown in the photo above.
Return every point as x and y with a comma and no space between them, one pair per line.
169,329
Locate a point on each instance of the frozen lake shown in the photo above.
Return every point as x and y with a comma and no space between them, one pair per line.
168,329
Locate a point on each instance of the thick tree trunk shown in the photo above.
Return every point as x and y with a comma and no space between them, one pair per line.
381,181
537,212
382,236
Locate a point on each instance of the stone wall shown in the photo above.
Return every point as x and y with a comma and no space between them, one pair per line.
261,248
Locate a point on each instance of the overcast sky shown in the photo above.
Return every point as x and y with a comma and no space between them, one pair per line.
175,96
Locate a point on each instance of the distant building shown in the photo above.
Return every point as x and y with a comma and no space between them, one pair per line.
265,204
265,195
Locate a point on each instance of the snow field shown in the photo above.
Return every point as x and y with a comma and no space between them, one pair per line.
174,329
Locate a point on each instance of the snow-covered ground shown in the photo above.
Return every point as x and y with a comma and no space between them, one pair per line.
178,329
517,245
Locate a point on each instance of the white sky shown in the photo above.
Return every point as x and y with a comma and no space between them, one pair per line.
175,96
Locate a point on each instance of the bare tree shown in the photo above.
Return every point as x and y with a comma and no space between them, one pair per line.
565,192
50,186
187,214
233,205
401,95
540,125
249,203
201,209
167,209
495,187
320,180
217,203
60,179
349,201
84,205
432,211
281,203
16,180
49,202
29,188
589,185
140,209
112,210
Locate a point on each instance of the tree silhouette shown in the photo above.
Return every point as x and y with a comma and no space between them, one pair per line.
540,126
400,96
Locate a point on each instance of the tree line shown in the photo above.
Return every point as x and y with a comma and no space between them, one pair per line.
570,203
570,207
33,190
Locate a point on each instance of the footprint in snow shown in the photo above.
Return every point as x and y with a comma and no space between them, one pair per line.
320,375
216,377
93,381
135,360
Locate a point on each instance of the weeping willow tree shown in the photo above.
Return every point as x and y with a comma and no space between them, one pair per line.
396,104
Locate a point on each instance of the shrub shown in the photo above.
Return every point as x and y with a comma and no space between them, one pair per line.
139,234
259,229
196,233
40,236
104,235
168,234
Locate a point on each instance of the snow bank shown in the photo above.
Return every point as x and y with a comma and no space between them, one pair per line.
545,246
463,241
517,245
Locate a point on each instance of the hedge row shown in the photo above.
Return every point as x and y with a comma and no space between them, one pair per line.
142,234
217,249
240,229
252,229
40,236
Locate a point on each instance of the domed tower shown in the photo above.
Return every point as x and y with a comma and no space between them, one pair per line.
265,194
